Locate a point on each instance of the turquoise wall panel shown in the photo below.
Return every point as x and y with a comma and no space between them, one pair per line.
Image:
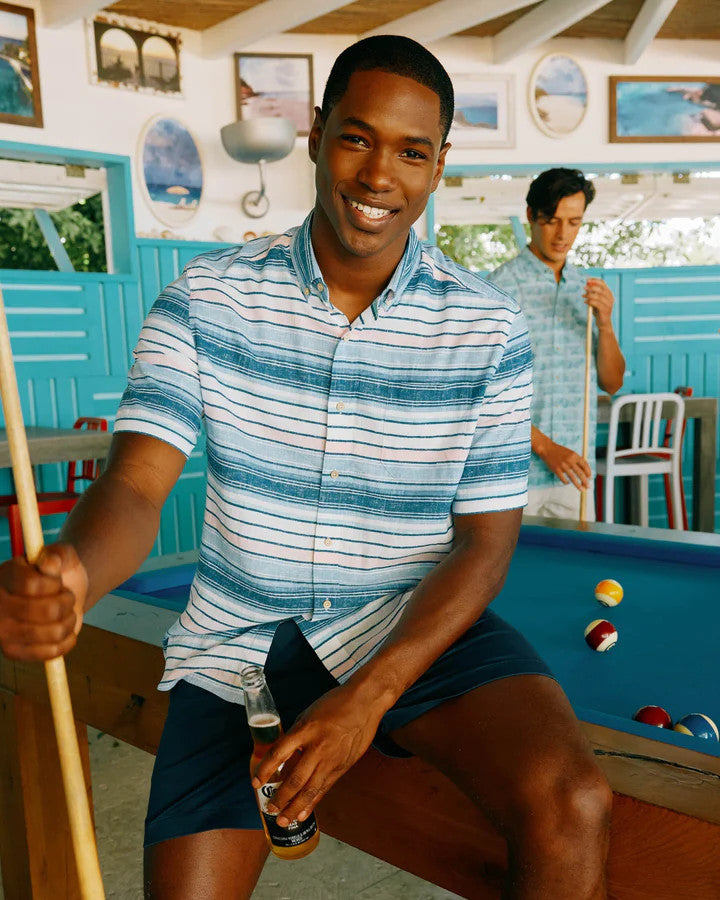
74,335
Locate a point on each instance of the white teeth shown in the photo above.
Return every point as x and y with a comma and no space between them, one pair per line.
372,212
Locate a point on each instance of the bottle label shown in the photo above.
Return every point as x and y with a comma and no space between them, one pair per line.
296,833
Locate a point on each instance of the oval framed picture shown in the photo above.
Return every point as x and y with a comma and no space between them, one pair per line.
171,170
558,94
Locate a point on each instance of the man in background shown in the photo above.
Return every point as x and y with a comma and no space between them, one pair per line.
553,294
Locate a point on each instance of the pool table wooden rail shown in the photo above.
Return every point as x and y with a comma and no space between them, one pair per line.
403,811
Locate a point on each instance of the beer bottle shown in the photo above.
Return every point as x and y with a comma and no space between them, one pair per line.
299,838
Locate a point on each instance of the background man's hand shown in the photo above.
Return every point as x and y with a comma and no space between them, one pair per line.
332,735
41,605
599,296
568,465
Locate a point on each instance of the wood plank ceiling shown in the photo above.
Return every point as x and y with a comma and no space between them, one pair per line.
689,19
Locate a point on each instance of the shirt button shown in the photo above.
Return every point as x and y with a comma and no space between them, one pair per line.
321,286
346,336
339,406
334,474
306,291
326,604
327,542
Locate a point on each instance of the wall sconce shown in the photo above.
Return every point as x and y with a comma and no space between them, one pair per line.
258,141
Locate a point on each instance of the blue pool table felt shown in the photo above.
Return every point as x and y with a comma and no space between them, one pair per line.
668,622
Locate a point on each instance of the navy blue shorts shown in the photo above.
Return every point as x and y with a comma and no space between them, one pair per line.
201,778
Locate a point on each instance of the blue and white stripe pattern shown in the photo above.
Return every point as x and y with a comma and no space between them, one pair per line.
337,452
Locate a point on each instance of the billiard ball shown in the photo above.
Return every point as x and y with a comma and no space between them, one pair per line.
601,635
608,592
654,715
699,725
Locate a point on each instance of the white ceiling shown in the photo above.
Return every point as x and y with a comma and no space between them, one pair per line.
654,196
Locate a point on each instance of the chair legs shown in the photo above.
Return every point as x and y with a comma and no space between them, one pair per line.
45,508
609,494
674,499
643,500
679,516
669,502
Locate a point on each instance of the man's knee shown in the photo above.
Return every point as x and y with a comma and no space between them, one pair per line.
561,804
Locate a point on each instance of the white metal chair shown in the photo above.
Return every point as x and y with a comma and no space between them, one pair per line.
656,429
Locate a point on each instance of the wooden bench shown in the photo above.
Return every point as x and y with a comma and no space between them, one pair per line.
401,811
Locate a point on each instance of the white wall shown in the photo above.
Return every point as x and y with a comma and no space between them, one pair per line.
79,114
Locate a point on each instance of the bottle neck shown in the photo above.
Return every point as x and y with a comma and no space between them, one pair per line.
262,714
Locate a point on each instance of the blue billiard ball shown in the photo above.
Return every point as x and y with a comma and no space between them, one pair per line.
699,725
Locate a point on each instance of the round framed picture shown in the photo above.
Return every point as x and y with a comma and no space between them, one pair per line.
171,171
558,94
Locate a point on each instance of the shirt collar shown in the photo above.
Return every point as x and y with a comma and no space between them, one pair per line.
565,275
310,276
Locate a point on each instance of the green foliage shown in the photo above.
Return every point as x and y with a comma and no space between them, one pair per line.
605,245
675,242
478,247
22,245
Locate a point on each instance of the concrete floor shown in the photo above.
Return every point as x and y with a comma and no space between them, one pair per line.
335,871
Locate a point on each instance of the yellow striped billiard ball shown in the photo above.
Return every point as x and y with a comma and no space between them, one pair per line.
608,592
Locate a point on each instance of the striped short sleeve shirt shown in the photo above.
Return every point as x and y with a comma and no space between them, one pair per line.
338,452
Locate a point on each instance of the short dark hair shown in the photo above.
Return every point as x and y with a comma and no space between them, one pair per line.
399,56
548,189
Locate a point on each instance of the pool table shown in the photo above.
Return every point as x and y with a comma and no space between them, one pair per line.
666,819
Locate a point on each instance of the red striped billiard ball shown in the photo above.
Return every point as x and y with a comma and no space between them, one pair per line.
601,635
654,715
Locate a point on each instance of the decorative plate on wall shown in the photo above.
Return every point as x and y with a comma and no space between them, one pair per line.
558,95
171,171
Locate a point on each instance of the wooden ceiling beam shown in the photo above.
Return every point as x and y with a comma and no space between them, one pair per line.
649,21
446,17
540,24
56,13
263,20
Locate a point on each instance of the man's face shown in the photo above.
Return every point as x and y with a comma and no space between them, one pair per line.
551,239
378,158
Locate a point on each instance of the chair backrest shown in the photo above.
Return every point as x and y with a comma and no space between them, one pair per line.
656,425
85,469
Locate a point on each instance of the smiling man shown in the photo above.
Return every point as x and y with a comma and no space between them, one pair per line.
366,403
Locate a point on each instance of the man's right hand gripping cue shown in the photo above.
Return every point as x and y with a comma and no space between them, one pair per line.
41,605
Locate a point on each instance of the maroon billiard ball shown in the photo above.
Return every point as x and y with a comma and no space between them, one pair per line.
654,715
601,635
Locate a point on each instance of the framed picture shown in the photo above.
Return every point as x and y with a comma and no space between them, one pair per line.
279,84
484,111
134,56
558,95
654,108
19,77
171,171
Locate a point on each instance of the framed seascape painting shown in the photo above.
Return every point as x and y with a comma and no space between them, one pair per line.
558,95
19,76
171,171
484,111
279,84
133,56
657,108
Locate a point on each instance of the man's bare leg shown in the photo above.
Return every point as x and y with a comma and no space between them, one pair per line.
515,748
223,864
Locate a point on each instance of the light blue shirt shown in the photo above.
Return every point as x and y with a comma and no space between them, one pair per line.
338,452
556,315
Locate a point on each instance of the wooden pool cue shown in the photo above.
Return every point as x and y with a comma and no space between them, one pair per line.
76,797
586,407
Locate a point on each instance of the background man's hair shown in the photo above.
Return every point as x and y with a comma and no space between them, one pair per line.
399,56
548,189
